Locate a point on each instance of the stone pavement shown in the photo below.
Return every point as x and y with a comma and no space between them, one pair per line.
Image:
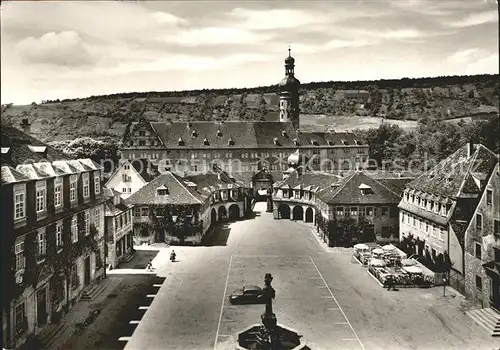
79,313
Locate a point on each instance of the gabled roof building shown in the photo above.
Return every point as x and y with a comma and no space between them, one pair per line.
242,146
177,209
131,175
326,200
438,206
482,247
52,233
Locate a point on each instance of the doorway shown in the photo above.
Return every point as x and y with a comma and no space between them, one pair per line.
309,215
41,307
86,269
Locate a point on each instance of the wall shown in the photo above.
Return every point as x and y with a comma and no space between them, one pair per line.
116,182
439,243
488,241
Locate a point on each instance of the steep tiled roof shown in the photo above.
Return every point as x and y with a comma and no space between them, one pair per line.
396,185
11,175
321,180
243,135
348,191
454,176
178,192
25,148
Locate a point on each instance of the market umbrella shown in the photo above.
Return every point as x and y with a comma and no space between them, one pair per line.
361,246
377,262
413,269
408,262
377,251
388,247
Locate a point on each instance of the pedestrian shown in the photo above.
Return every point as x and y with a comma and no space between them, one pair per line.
390,283
149,267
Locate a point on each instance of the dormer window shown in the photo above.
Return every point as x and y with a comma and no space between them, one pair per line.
219,133
314,143
330,143
230,142
345,143
194,134
430,176
181,141
296,142
356,142
162,191
42,150
365,190
284,133
205,142
276,141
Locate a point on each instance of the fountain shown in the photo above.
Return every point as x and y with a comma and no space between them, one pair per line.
269,335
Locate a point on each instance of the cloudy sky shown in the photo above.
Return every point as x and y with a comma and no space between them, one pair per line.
61,49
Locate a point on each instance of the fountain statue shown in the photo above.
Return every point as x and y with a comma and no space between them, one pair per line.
269,335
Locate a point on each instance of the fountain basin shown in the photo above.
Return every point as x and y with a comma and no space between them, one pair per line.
289,339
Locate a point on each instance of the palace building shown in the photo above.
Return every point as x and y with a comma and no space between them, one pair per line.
242,146
52,234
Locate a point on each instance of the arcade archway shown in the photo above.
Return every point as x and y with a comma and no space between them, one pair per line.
298,213
309,215
283,211
222,213
234,212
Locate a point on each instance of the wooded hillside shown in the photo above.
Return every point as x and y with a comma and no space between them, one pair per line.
406,99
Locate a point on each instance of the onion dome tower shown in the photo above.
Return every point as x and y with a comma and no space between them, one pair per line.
289,93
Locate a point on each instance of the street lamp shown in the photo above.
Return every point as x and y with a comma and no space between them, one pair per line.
444,286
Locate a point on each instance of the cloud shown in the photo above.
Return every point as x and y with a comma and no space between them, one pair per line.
488,64
215,35
465,55
63,49
475,19
334,44
167,18
273,19
171,62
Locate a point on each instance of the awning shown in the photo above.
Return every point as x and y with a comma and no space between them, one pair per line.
361,246
376,262
492,269
413,269
408,262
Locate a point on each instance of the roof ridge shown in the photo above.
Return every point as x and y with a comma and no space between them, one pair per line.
156,133
347,179
184,186
383,185
468,171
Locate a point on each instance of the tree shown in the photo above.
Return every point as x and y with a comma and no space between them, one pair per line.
365,229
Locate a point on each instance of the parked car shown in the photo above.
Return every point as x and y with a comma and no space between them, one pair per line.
246,295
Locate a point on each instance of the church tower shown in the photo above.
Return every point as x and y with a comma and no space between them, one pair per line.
289,94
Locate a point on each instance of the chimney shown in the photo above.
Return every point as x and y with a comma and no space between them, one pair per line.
26,126
470,149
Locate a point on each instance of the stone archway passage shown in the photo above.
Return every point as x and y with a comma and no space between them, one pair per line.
234,212
222,213
309,215
298,213
284,211
213,216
